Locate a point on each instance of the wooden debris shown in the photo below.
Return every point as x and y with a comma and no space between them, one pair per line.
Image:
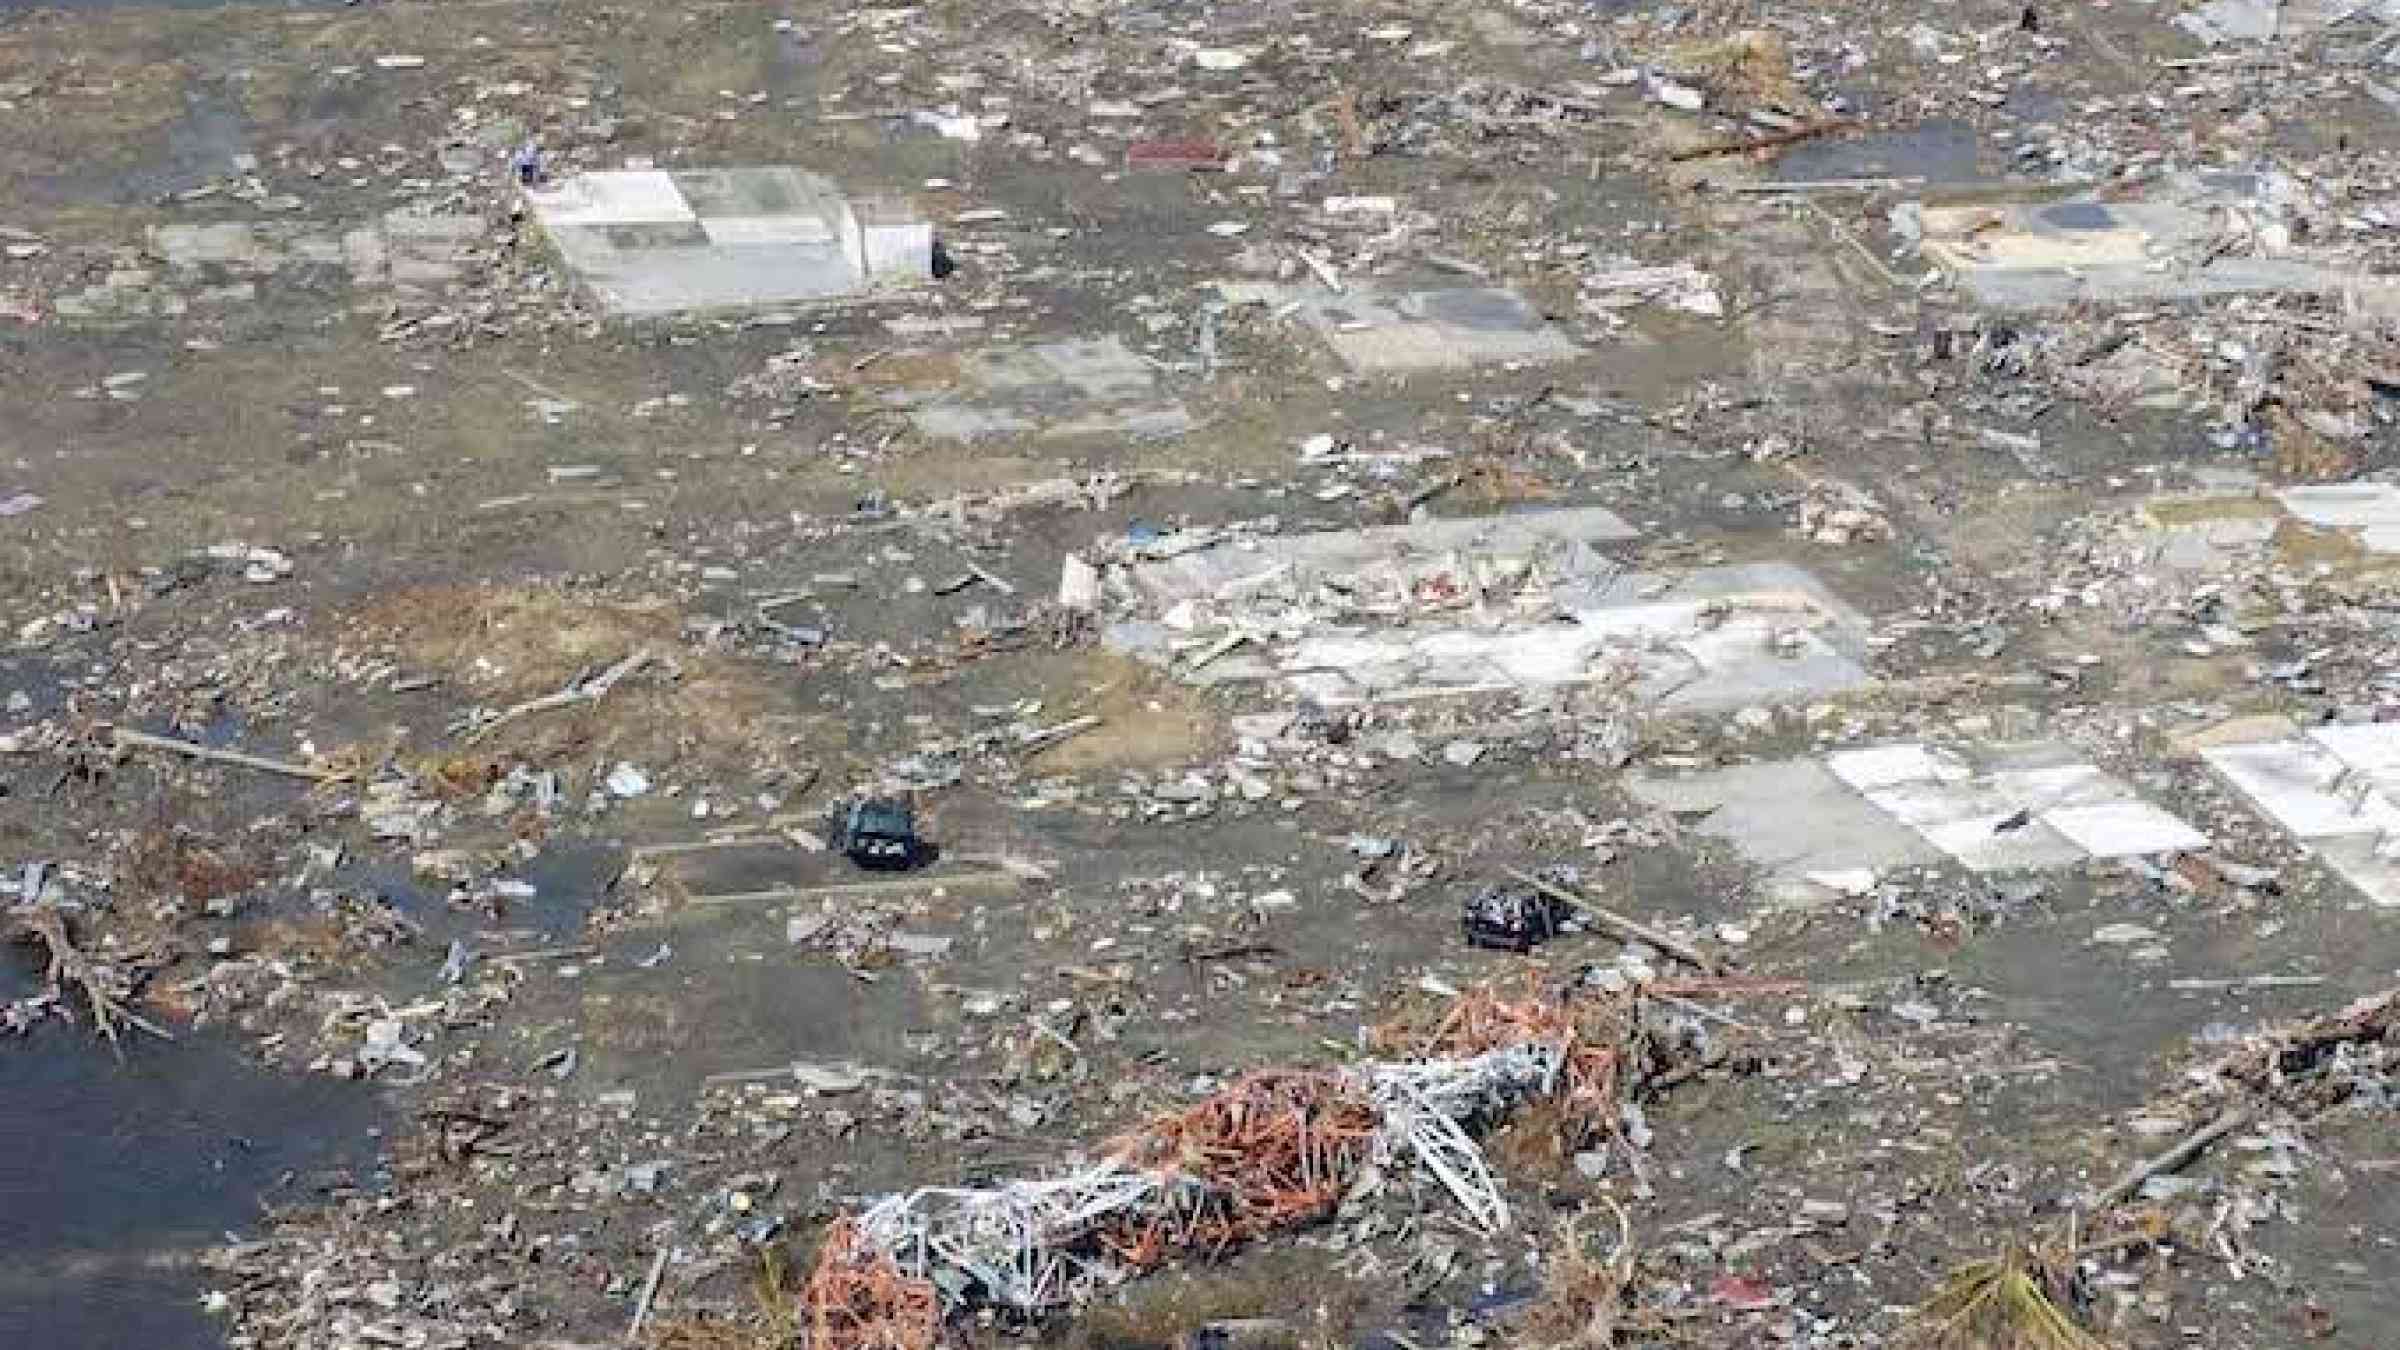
1624,927
641,1306
125,739
589,691
1777,140
69,965
2192,1146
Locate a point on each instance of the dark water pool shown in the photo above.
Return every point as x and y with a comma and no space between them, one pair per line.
114,1175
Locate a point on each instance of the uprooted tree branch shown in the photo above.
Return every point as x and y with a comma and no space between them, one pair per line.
105,986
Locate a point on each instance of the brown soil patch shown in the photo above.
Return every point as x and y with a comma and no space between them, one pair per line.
1146,719
500,645
513,642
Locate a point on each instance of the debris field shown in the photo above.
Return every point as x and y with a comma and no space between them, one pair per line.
1249,676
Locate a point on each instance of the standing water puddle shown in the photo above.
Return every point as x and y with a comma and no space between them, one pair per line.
114,1175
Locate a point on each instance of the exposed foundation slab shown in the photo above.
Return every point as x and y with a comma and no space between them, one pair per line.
2202,531
1499,603
1792,817
1384,330
2190,236
219,263
1992,808
2336,789
1085,387
656,241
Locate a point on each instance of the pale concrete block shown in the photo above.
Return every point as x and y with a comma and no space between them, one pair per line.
1885,766
2122,829
2303,787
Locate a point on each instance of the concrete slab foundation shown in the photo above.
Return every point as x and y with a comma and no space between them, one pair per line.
2171,243
1499,603
1384,330
2336,789
1992,808
2202,531
1087,387
219,263
656,241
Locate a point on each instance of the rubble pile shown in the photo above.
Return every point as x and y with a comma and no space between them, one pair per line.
1277,1148
2338,1059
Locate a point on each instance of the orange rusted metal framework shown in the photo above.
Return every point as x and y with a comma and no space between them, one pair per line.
1274,1149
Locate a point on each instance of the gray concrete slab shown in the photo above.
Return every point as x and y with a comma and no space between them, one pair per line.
1992,807
1080,387
1790,817
2168,244
1388,330
406,252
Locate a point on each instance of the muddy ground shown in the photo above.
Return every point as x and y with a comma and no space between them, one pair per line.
479,489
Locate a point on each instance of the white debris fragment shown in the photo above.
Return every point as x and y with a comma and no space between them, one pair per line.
2223,21
1674,95
949,126
2123,934
1078,585
1678,286
828,1079
1834,512
264,565
385,1045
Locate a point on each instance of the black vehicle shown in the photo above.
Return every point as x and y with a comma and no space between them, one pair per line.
1510,918
881,832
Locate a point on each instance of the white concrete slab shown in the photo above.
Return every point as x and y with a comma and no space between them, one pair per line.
1929,805
653,241
2344,505
2064,785
2334,788
2305,788
630,196
2057,809
1884,766
1981,845
1739,662
2369,747
2359,859
1791,817
2122,829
